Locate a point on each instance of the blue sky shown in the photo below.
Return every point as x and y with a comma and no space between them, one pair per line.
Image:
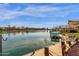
38,14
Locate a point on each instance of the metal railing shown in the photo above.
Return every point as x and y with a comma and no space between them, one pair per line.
1,38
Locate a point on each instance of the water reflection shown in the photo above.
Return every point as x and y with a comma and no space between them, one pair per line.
23,42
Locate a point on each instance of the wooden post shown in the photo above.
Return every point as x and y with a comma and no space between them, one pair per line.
69,43
77,40
63,48
46,51
0,45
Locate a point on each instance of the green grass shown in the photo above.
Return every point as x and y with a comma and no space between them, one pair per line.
73,34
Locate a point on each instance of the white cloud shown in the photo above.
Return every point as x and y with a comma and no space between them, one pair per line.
42,8
36,11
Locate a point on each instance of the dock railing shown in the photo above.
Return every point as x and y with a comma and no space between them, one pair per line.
48,52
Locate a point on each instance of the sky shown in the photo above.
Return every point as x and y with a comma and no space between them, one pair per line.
38,14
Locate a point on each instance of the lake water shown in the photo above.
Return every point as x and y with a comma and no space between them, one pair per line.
21,43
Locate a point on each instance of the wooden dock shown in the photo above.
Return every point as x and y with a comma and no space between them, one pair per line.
65,48
54,50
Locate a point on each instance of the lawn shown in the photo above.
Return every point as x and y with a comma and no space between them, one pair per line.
73,34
